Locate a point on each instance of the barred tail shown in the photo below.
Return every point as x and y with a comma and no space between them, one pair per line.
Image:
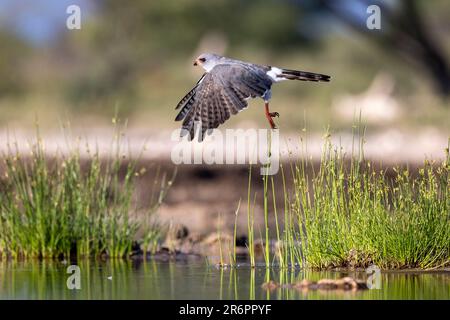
303,76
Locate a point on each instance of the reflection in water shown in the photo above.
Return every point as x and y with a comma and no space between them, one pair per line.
137,279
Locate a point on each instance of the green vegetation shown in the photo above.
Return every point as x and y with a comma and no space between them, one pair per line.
71,205
358,216
347,213
143,63
343,213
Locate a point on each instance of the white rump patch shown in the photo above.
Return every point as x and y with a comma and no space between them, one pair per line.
274,72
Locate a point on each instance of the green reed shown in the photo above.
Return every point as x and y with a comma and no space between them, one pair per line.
346,212
67,204
358,215
250,222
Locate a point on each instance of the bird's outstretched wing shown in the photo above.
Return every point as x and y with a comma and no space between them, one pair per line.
218,94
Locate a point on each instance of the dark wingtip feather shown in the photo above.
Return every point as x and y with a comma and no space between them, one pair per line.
180,116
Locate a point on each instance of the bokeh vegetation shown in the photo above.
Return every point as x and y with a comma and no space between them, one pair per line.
138,57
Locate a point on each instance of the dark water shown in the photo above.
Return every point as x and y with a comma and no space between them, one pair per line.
196,280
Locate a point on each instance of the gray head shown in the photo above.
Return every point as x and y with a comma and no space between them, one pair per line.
208,60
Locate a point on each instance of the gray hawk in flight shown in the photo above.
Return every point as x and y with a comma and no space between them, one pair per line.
226,86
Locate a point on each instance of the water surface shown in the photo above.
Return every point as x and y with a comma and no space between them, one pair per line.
137,279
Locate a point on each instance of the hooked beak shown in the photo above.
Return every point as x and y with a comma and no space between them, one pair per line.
195,62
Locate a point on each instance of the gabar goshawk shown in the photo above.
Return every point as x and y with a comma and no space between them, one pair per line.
225,88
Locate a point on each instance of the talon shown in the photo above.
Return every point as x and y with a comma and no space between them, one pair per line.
274,114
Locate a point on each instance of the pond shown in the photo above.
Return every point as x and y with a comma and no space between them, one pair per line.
196,279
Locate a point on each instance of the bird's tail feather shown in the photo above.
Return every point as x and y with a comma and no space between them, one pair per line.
303,75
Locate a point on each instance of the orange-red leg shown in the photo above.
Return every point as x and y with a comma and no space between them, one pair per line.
270,115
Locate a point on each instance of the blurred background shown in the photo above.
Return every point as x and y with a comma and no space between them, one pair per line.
137,58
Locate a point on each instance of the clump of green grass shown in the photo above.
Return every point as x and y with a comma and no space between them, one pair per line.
347,213
64,205
357,215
